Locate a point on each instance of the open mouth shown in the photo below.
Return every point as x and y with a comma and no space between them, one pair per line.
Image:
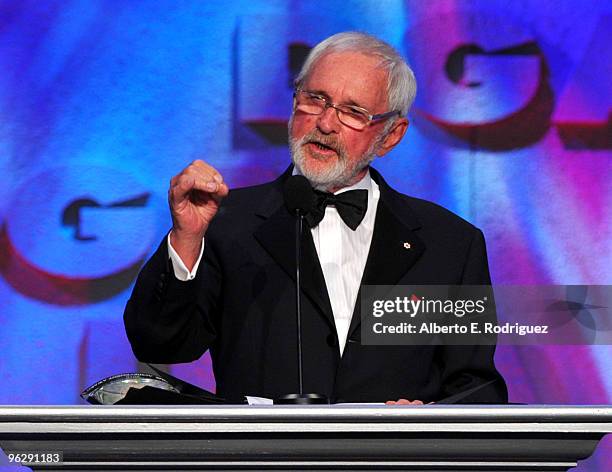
321,148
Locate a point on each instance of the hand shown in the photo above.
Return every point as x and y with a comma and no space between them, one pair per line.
403,401
194,198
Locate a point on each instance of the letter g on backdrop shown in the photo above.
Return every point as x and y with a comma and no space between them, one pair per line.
76,235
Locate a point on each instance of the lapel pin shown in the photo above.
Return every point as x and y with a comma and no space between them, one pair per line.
407,246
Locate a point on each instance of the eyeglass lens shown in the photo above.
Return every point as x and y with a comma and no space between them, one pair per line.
315,105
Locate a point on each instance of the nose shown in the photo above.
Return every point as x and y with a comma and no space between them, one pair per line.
328,122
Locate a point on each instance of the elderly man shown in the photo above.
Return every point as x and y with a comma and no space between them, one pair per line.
224,278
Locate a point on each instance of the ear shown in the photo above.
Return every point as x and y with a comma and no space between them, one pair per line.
394,136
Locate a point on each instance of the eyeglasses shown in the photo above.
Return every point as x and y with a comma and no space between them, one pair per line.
349,115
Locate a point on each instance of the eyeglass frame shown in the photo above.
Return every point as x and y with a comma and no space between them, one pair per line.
330,104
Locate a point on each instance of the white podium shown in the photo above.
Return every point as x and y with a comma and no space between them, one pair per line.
289,438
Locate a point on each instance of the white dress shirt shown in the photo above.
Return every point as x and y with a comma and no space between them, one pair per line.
342,254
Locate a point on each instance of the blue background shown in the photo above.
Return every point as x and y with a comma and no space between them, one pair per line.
101,102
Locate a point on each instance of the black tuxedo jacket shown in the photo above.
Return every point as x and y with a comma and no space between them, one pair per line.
241,305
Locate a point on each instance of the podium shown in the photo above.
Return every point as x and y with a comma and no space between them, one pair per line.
289,438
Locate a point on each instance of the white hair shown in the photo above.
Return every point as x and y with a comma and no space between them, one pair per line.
401,83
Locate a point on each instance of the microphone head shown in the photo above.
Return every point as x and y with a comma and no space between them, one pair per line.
298,195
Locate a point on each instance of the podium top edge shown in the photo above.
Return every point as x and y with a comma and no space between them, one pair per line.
600,414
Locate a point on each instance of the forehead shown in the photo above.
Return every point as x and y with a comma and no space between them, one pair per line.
350,77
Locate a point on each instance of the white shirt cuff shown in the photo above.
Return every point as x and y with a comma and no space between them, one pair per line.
181,271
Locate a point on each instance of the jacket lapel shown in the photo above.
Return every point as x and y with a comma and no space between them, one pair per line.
395,246
394,249
277,236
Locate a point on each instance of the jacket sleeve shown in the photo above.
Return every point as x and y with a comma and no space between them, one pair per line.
465,367
168,320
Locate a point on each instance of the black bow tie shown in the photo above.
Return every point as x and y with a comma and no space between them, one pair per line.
351,206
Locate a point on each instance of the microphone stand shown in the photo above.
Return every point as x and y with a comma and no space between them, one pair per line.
300,398
299,227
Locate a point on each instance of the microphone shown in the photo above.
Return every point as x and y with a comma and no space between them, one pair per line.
300,200
298,194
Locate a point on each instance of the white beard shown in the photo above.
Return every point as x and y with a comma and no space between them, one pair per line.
336,175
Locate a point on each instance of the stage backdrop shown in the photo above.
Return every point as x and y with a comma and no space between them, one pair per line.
101,102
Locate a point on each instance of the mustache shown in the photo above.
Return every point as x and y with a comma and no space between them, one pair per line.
326,140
